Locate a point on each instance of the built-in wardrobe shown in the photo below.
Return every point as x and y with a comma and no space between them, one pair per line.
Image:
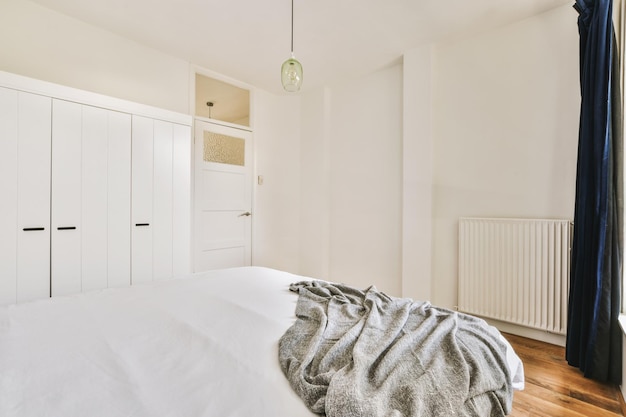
95,191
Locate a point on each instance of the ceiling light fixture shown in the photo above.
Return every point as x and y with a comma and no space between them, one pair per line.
291,71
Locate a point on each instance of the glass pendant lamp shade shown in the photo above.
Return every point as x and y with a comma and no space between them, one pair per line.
291,71
291,75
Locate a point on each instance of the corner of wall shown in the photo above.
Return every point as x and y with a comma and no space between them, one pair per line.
417,173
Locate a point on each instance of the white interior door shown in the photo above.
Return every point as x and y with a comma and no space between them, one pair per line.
223,196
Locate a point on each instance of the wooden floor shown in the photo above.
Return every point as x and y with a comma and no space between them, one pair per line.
555,389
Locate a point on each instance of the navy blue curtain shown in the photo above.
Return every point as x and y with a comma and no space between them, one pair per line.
594,339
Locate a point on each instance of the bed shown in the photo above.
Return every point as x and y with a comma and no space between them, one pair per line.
203,345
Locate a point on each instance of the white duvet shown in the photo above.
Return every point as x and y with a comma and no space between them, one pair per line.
205,345
200,346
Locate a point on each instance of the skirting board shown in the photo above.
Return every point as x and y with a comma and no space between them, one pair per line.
552,338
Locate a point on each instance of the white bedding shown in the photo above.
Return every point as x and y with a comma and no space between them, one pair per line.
205,345
202,346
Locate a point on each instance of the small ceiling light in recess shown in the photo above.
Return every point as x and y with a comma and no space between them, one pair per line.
291,71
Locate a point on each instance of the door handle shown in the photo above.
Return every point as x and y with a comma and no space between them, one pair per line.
246,214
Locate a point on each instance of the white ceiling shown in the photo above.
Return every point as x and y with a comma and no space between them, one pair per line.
249,39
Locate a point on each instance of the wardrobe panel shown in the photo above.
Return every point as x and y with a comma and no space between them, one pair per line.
66,210
33,203
119,221
181,200
94,198
142,182
91,197
162,200
8,191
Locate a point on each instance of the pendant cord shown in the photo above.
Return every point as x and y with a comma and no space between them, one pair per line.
291,27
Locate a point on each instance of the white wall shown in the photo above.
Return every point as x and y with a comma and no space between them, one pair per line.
505,131
417,176
315,184
276,233
352,182
46,45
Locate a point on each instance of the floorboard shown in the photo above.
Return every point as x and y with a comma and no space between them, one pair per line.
555,389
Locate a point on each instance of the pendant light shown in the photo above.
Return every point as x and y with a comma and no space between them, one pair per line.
291,71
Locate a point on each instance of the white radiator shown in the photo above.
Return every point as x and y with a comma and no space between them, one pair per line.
515,270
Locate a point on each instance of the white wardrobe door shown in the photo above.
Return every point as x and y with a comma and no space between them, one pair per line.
8,191
66,198
90,198
119,221
142,175
181,200
33,203
94,198
162,200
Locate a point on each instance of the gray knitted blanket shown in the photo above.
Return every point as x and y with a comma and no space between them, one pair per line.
354,353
